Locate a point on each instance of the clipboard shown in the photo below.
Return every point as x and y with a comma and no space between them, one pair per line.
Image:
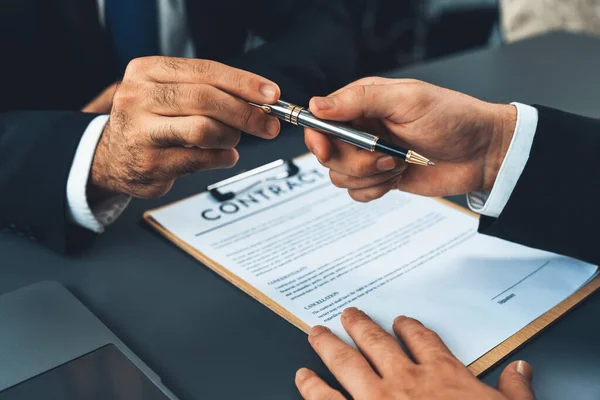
220,191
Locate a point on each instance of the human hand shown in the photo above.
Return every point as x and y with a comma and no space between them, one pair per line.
383,371
103,102
466,138
173,116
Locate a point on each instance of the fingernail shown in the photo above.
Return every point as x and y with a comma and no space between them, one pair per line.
386,163
302,374
269,91
524,369
399,319
273,126
236,157
521,368
323,103
317,330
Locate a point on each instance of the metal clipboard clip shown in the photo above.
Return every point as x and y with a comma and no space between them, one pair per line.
215,188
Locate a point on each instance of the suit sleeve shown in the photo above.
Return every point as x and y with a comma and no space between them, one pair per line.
555,205
311,47
36,154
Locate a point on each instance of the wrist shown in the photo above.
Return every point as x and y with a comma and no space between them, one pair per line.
99,183
503,121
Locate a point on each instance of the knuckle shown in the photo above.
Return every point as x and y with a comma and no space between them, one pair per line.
318,342
198,131
342,357
331,395
166,135
383,392
203,70
411,374
360,168
447,361
247,119
411,81
169,64
374,336
152,60
166,95
242,81
203,95
136,66
124,96
310,386
204,134
371,80
358,91
424,335
220,106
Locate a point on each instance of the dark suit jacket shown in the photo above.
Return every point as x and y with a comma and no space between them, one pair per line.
555,205
56,57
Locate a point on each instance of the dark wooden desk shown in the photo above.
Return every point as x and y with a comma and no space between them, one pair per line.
208,340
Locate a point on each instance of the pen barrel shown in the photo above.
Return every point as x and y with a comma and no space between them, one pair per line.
346,134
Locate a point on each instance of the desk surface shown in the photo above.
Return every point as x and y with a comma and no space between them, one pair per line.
208,340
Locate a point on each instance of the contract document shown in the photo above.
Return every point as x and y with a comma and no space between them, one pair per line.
305,249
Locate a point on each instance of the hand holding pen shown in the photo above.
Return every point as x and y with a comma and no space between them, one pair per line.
466,138
297,115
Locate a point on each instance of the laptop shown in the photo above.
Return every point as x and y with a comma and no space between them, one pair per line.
52,347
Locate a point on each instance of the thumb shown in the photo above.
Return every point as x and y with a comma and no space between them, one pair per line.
354,102
515,381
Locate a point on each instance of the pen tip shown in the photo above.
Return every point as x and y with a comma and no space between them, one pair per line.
431,163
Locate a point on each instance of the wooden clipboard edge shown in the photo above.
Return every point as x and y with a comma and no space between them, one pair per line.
477,367
513,343
535,327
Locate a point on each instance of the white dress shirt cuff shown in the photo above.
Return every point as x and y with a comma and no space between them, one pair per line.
78,209
492,203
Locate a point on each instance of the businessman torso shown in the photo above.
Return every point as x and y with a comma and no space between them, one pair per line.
58,55
554,205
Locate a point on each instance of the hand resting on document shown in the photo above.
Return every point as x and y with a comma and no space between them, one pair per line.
383,371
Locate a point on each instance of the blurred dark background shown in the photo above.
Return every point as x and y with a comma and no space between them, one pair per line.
400,32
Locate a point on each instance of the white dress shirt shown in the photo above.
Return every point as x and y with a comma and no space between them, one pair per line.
174,40
492,203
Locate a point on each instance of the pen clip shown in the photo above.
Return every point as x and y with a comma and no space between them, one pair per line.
215,192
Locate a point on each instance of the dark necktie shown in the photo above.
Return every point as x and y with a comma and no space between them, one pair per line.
133,25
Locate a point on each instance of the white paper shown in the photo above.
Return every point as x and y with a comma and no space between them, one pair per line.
309,247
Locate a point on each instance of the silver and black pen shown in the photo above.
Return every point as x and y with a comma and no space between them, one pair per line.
299,116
